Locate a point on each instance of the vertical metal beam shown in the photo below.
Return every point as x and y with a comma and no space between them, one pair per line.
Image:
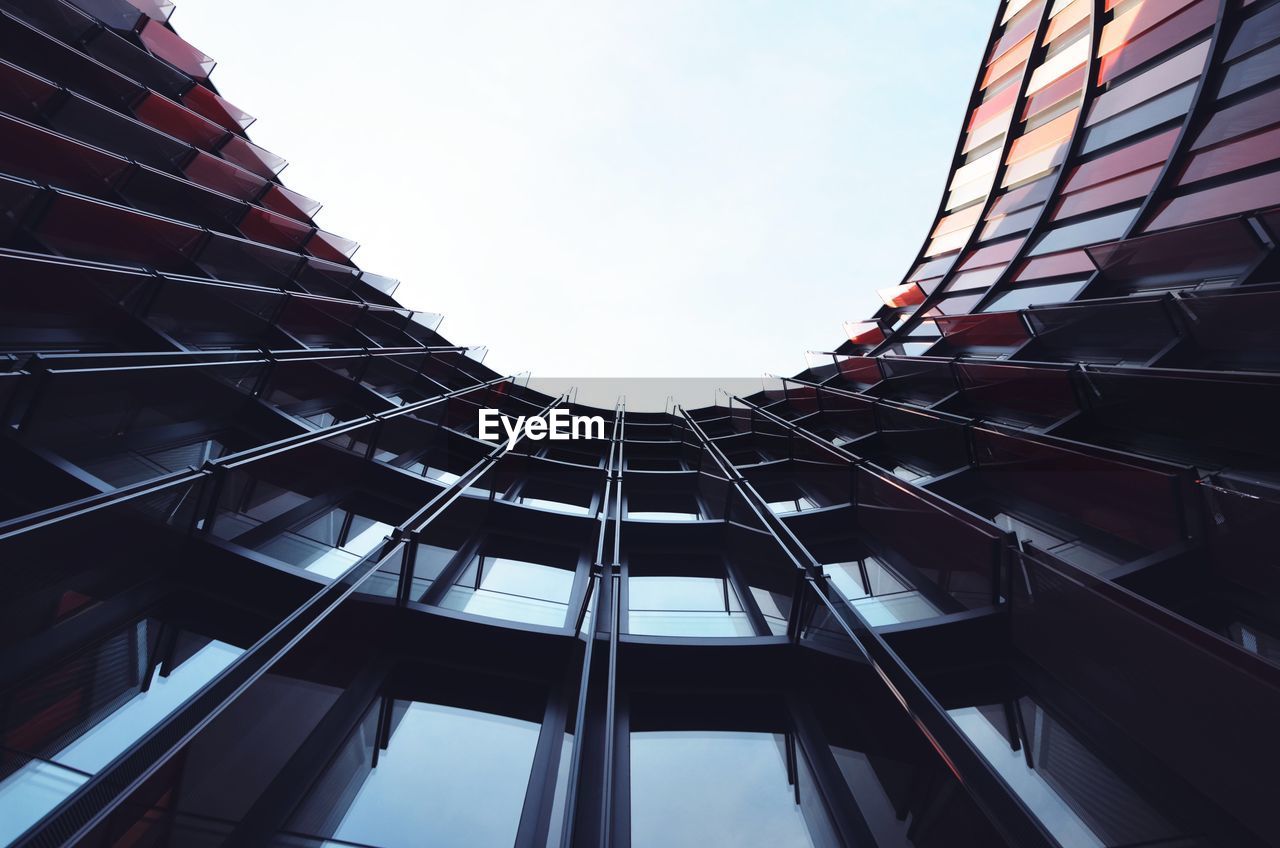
1005,810
604,559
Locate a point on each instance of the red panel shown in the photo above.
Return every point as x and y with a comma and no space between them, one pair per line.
992,254
1255,114
907,294
251,157
1067,85
1074,13
1125,499
1134,22
1242,153
286,202
1025,25
956,305
39,155
1043,393
168,46
1055,265
333,248
1215,249
1009,62
85,229
984,329
276,230
1054,132
219,175
181,123
216,109
1245,196
864,332
23,94
861,370
990,329
954,547
993,107
1195,18
1126,160
966,217
1108,193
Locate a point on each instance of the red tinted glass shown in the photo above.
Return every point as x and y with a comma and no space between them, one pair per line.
167,45
1244,196
219,175
276,230
181,123
1126,160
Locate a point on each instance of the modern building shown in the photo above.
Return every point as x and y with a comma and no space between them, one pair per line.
996,570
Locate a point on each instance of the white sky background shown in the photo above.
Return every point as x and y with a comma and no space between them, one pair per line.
614,189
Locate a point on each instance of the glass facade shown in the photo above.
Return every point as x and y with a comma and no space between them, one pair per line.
996,570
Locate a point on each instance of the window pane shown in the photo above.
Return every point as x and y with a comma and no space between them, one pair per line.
701,788
450,776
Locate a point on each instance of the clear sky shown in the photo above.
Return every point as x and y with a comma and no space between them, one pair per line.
614,189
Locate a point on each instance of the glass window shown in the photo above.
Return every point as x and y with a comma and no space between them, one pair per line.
1139,41
1187,65
1166,107
1261,29
1249,72
1078,799
879,595
698,788
449,776
1059,65
1022,298
1056,265
1126,160
1048,135
1055,92
498,587
330,544
1241,153
1018,222
37,785
685,606
1243,196
1091,231
1251,115
1108,194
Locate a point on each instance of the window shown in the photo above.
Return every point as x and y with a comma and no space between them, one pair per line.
34,785
449,776
512,589
1077,798
879,595
698,788
330,544
666,605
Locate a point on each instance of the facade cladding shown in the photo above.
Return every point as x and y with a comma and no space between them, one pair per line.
997,570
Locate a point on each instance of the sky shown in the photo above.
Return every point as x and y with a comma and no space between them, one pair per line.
649,188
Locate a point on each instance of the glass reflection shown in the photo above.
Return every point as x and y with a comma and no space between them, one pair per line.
878,594
448,776
137,698
699,788
1078,799
685,606
498,587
